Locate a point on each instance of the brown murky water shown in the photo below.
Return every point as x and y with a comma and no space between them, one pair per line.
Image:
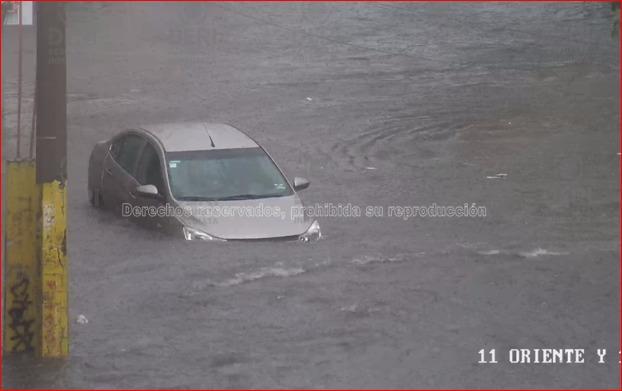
378,104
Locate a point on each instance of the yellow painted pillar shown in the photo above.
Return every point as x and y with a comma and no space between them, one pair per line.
22,274
54,271
36,282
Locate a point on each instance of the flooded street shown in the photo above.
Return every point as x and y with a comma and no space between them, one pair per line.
513,107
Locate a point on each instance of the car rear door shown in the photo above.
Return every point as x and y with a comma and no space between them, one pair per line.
119,170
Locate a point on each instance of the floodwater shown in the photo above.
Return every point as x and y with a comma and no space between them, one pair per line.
513,107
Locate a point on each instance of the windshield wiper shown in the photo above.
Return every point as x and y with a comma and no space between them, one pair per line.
249,196
196,198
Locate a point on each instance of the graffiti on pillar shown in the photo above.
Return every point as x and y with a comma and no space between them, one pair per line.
20,325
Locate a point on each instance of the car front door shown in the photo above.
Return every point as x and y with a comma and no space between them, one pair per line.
119,170
149,171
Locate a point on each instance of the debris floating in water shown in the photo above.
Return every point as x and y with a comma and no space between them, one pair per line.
501,175
81,319
309,98
370,168
350,308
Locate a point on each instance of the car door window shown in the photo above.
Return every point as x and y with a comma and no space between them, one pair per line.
125,151
115,148
149,169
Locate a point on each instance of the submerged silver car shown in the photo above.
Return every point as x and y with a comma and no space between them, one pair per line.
200,181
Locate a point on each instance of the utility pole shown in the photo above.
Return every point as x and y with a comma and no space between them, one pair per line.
51,174
36,269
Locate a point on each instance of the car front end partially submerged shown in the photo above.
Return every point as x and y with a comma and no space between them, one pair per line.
279,218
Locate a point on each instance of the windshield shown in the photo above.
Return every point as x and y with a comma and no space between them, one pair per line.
226,174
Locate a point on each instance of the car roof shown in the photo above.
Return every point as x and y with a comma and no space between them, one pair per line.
197,136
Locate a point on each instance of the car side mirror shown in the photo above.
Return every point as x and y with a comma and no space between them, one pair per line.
301,183
148,191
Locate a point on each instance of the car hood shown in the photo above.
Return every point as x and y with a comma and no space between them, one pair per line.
263,218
